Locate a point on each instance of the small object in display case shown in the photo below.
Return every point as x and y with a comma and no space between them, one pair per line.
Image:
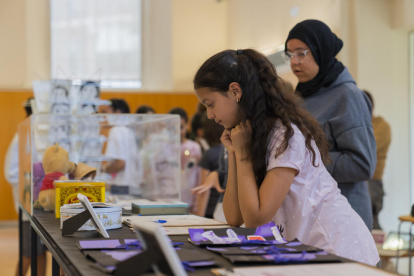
67,192
110,216
56,165
71,225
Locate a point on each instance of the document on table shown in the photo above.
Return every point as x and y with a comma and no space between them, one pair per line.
183,220
184,230
341,269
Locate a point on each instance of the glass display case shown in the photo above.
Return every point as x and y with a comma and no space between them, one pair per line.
133,154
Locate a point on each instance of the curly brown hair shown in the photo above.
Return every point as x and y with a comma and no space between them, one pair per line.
264,101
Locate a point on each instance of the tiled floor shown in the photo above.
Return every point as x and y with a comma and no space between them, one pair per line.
9,251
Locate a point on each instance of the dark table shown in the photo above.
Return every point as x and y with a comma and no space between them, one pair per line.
73,262
67,255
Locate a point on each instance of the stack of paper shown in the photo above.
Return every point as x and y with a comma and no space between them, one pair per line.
179,224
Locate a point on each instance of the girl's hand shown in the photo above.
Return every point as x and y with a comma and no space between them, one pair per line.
227,141
240,137
212,181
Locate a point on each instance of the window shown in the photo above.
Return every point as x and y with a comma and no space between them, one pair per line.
97,39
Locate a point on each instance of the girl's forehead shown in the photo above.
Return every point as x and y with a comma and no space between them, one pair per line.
204,94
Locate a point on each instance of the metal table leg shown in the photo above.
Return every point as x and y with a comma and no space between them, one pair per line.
398,248
55,267
20,242
34,251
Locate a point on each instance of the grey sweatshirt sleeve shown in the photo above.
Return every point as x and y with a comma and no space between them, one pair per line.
352,138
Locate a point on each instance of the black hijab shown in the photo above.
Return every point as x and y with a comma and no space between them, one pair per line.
324,46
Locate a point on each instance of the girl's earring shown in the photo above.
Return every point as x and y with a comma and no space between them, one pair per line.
237,100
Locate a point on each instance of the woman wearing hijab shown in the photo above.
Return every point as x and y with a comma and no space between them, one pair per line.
343,111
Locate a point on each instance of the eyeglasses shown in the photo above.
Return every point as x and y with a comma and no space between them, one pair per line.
299,56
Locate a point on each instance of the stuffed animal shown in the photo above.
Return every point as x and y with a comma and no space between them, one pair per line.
56,165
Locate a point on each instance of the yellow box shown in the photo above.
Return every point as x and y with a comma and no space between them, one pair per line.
67,192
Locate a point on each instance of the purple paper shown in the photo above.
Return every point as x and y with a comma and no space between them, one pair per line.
216,249
196,235
248,247
38,175
294,244
122,255
259,251
265,230
321,253
130,240
201,263
96,244
292,256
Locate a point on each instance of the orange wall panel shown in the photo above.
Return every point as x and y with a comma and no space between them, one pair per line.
11,114
161,102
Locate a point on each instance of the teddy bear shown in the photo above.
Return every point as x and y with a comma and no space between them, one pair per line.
56,165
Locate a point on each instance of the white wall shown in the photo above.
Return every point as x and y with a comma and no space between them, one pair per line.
200,30
402,14
383,70
157,57
13,41
37,48
264,24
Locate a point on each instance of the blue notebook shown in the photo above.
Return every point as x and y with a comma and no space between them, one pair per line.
160,208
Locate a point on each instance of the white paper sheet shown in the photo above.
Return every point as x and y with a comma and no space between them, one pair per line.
183,220
341,269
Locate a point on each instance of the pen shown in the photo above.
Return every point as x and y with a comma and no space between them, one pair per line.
159,221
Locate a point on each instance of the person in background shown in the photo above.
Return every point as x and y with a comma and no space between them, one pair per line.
116,106
207,201
11,173
122,148
341,108
190,157
197,131
145,109
382,132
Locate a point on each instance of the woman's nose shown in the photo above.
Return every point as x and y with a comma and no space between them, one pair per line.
294,61
210,114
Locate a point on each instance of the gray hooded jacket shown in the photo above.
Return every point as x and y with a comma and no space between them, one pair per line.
344,113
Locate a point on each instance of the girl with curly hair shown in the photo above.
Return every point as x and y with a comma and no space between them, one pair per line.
276,156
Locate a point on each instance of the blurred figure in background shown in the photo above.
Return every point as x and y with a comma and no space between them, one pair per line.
190,157
207,201
197,131
122,148
382,132
145,109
